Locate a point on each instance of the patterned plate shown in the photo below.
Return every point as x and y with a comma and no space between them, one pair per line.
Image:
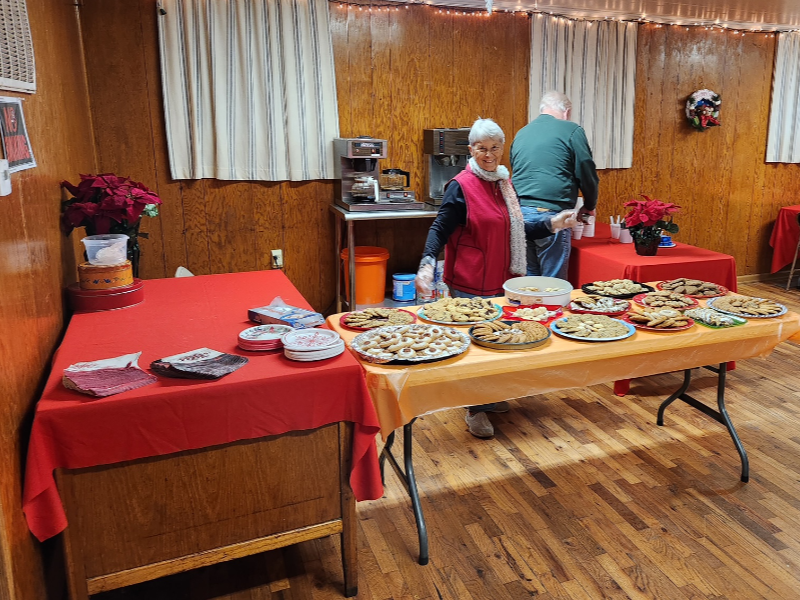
644,327
557,331
360,344
639,299
508,313
588,290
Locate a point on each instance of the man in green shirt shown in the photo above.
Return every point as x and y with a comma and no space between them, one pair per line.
551,161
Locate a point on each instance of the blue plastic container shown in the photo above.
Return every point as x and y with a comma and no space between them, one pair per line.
403,287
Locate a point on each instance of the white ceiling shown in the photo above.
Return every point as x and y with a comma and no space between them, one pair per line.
744,14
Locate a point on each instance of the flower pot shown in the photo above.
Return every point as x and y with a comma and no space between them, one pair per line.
647,247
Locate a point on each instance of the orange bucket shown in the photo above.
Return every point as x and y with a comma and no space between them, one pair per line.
370,274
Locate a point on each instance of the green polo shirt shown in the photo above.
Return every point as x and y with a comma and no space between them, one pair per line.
550,161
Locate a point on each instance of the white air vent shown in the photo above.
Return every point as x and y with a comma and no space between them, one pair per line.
17,71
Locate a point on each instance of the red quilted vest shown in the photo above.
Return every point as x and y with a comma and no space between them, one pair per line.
478,255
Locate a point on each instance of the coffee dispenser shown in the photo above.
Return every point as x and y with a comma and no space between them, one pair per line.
361,186
448,152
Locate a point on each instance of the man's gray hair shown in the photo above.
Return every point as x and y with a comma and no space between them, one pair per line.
555,100
485,129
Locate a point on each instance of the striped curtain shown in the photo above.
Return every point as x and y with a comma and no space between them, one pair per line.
594,63
783,137
249,89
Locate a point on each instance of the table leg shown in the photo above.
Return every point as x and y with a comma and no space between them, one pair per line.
720,415
352,304
349,539
338,260
410,483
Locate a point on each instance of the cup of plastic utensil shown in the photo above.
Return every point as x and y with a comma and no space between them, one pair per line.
615,230
625,236
588,227
577,231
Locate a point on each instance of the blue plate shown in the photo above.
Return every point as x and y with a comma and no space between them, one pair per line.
631,330
421,315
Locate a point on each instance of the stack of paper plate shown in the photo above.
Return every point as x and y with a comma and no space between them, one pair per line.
263,337
312,344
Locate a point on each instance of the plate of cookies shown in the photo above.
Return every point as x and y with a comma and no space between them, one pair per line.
409,344
658,319
665,299
747,307
708,317
616,288
460,311
694,288
599,305
592,328
509,335
370,318
541,313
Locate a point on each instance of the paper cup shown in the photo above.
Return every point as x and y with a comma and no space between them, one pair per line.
625,236
577,231
588,227
615,230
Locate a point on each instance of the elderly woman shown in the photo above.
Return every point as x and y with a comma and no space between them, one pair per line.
480,226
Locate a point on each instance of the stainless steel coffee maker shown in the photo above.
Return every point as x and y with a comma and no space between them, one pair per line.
357,171
448,152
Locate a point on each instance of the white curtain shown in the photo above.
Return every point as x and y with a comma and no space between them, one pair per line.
594,63
783,138
249,89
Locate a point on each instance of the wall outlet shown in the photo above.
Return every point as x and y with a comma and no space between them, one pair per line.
277,259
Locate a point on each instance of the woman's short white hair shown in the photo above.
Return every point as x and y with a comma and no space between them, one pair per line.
555,100
485,129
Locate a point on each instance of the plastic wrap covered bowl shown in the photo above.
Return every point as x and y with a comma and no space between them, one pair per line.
534,289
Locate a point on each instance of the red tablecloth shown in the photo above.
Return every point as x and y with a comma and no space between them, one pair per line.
271,395
784,237
602,258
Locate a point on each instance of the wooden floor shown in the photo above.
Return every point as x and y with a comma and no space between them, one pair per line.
580,496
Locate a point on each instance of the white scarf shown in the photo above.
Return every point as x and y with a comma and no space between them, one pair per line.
518,255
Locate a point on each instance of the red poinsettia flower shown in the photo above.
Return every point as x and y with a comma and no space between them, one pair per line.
646,218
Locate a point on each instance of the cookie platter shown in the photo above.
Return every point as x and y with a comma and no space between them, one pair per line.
616,288
665,299
537,313
460,311
509,335
694,288
599,305
592,328
409,344
658,319
747,307
370,318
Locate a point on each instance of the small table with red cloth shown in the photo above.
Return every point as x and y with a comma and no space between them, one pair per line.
197,472
785,235
601,258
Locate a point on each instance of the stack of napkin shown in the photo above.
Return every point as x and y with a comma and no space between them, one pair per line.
202,363
109,376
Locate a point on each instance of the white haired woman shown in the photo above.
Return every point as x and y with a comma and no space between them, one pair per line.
481,228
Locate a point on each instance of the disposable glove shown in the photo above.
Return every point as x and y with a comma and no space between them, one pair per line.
424,279
563,220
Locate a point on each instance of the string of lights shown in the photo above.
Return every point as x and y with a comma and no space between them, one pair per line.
715,26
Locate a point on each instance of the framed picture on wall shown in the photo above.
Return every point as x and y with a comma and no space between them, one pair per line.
16,145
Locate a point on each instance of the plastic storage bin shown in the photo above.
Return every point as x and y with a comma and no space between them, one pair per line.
370,274
106,249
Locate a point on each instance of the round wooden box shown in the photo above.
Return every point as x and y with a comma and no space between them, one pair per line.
104,277
95,300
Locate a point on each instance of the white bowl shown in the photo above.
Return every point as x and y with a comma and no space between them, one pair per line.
560,297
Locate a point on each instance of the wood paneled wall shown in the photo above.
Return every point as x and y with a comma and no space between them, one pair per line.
401,71
36,262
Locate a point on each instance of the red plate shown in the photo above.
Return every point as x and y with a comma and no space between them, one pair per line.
627,319
639,297
346,326
723,291
508,312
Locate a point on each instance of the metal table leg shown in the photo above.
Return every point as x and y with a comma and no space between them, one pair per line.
338,260
351,265
410,483
720,415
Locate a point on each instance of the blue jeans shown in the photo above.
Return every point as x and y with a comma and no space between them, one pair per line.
547,256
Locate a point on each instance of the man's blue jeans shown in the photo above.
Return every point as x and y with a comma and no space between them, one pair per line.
548,256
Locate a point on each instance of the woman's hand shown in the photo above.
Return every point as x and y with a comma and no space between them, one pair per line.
563,220
424,280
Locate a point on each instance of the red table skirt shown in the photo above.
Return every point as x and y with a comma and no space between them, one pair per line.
271,395
784,237
603,258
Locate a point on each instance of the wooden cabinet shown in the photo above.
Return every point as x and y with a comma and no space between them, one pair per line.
139,520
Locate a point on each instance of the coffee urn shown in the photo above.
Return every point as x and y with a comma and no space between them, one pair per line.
447,153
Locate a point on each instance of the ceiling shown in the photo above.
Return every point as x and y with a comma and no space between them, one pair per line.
743,14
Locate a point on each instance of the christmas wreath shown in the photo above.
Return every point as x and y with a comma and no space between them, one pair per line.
702,109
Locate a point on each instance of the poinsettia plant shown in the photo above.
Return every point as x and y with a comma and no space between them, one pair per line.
107,203
647,218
